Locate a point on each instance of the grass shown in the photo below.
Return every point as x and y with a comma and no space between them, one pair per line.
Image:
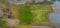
2,22
25,15
40,13
36,14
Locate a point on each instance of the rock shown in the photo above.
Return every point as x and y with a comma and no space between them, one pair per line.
12,22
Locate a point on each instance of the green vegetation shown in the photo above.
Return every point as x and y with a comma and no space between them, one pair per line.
40,13
1,1
37,14
2,22
25,15
29,14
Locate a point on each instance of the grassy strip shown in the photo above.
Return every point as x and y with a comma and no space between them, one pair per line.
40,13
37,13
25,16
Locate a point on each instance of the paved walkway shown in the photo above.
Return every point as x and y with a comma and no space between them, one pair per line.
40,27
